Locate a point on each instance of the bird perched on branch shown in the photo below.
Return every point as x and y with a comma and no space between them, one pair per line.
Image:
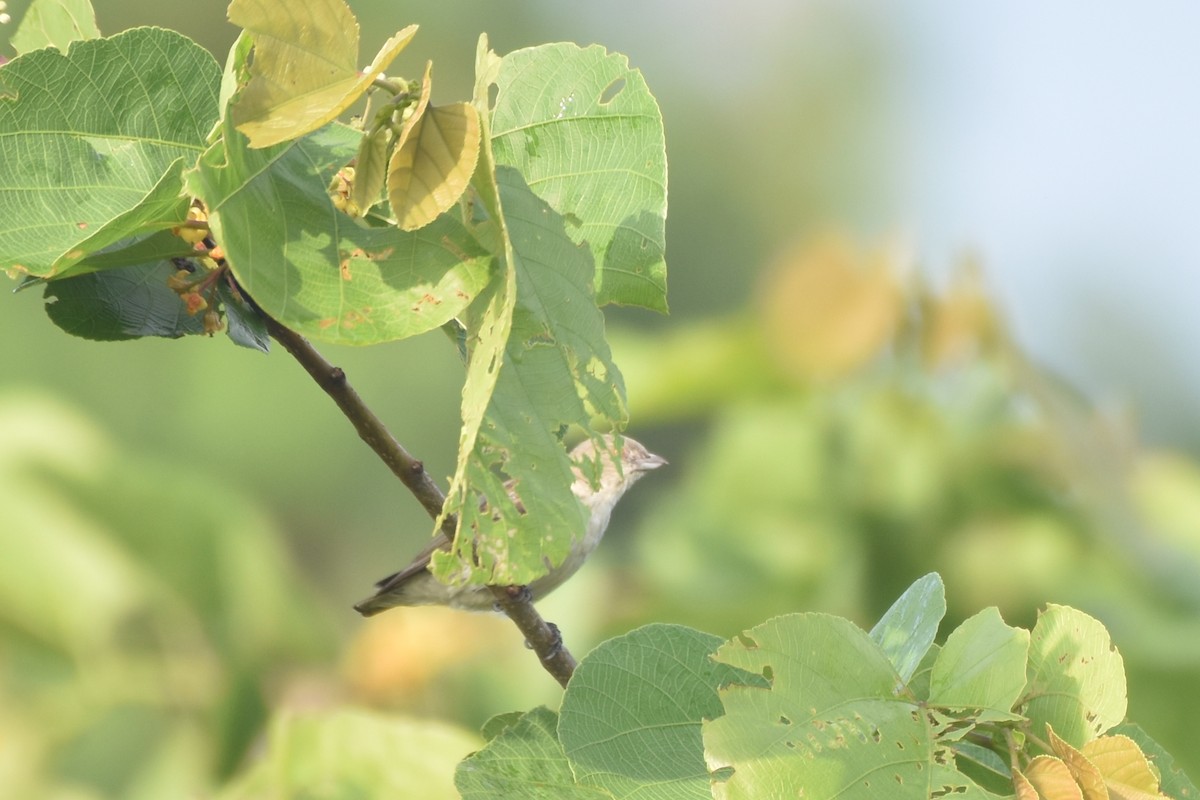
415,585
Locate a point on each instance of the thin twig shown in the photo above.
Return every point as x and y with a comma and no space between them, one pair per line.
542,637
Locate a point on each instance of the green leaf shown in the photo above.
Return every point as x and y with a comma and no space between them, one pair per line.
907,630
356,754
55,23
121,304
89,139
492,314
557,371
981,665
1174,782
314,268
305,66
525,760
829,725
631,715
1076,677
244,323
947,781
583,129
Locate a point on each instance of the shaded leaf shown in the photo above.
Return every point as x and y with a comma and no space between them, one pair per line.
55,23
305,66
311,266
907,630
525,760
667,684
370,171
245,325
89,140
557,371
121,304
583,129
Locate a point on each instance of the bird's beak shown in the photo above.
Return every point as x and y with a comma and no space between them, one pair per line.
651,461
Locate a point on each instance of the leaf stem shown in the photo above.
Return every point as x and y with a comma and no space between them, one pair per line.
542,637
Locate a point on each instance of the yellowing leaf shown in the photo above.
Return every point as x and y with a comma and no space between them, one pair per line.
1126,771
431,170
370,170
432,163
828,310
961,323
1024,788
1052,779
1086,774
305,68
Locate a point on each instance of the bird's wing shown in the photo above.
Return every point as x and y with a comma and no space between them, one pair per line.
419,563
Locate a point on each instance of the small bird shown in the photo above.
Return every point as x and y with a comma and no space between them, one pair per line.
415,585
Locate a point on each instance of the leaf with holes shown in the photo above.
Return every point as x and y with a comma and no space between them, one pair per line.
94,142
305,66
557,371
1076,677
829,724
586,133
314,268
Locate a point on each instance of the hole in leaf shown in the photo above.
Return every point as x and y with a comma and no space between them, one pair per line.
768,673
611,91
493,93
745,641
783,720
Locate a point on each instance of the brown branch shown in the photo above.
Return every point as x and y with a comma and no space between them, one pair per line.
542,637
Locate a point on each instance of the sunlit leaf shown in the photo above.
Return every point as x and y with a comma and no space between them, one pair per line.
907,630
1052,779
350,753
1085,773
582,127
315,269
305,66
1175,783
1127,773
430,170
55,23
1076,677
981,665
93,142
830,725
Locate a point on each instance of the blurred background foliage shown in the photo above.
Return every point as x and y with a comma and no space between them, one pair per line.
185,524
